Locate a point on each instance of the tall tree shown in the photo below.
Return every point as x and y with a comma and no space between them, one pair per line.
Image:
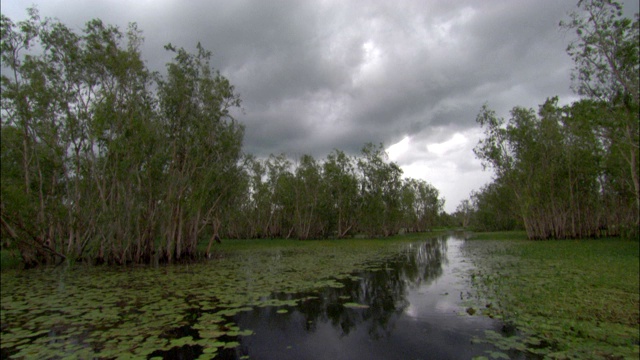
341,193
307,198
464,212
204,147
112,160
495,208
607,68
381,189
421,204
552,165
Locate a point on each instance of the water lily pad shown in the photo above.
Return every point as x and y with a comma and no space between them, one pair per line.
352,305
187,340
211,334
232,311
210,350
470,311
231,345
246,332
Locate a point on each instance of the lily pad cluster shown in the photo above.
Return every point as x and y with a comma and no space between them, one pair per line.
103,312
562,299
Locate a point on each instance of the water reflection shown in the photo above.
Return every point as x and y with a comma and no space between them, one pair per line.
406,307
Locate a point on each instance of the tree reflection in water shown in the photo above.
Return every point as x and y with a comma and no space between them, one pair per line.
368,317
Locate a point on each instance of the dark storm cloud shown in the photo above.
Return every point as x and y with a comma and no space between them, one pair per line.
390,69
318,75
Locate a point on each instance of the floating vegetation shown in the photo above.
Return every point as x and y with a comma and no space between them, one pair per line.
352,305
470,311
561,299
103,312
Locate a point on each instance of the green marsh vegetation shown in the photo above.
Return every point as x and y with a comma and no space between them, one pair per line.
89,311
560,298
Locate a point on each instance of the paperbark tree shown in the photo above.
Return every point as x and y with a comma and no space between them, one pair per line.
341,192
204,148
380,190
607,68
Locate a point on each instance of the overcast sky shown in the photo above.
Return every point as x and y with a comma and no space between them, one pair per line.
319,75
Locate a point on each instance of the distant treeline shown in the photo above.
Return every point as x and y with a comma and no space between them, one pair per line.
570,171
105,161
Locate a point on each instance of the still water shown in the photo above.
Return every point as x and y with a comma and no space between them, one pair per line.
412,306
409,303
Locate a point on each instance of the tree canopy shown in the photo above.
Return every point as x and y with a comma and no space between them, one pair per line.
106,161
572,171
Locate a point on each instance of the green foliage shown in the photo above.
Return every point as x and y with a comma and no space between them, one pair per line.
567,299
337,197
85,125
606,50
494,209
380,191
104,161
341,194
572,171
110,311
204,149
550,166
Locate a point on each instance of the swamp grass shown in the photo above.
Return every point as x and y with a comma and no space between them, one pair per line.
561,298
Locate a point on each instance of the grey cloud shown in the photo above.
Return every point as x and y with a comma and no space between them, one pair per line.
310,84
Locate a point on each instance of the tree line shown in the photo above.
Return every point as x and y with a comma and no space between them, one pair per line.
570,171
338,197
106,161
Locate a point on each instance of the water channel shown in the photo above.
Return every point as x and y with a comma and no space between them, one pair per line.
410,304
410,307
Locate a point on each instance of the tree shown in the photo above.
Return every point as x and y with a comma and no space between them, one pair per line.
573,170
282,204
464,212
607,69
421,205
78,101
341,193
307,198
204,147
495,208
552,165
114,163
380,190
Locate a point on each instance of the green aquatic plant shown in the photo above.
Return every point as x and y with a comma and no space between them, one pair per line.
106,312
352,305
562,299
